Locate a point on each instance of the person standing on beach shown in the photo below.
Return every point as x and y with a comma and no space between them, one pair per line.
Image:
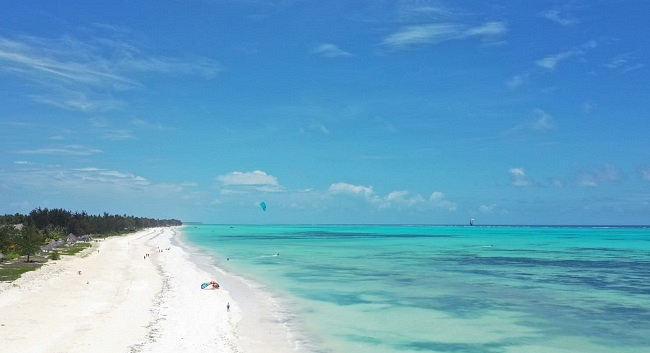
228,307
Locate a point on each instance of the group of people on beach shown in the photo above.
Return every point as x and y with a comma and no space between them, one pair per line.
159,250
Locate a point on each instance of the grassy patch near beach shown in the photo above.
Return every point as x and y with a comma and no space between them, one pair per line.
12,270
75,249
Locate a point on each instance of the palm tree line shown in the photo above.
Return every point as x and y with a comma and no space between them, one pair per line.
25,234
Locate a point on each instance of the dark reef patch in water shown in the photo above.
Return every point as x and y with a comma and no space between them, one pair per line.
434,346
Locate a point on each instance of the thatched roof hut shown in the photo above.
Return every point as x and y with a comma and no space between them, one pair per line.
71,239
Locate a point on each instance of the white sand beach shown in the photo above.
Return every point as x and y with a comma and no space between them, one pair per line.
126,301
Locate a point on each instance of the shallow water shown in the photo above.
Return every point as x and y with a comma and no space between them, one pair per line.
449,289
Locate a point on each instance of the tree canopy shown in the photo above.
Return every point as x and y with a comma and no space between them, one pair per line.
25,234
82,223
30,241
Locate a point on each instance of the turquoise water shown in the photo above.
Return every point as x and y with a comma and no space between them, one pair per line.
449,289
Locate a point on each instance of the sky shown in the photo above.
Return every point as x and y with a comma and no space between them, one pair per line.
400,112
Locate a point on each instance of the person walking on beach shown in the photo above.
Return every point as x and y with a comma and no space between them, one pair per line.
228,307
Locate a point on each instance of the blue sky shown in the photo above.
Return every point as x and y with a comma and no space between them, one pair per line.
508,112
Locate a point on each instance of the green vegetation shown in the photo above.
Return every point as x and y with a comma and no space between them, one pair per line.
23,237
55,255
30,241
59,222
75,248
9,238
13,271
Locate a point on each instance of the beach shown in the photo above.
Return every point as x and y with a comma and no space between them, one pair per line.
339,288
135,293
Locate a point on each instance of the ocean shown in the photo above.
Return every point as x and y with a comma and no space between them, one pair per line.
401,288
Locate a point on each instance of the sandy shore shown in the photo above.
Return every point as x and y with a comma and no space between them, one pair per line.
126,301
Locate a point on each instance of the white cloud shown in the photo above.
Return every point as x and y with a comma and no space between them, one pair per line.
149,125
440,32
93,189
402,199
104,127
624,63
70,150
319,127
345,188
487,30
438,199
255,180
329,50
519,178
397,195
487,208
516,81
170,66
63,60
417,11
644,173
557,17
77,101
597,176
422,34
99,122
81,75
399,199
76,179
256,177
544,121
550,62
118,134
106,176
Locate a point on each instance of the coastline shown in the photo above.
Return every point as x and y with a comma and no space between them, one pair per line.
262,324
126,301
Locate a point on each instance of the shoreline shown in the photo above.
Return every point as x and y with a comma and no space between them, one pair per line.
264,322
127,301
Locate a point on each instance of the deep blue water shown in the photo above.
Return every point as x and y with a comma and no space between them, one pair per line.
449,289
